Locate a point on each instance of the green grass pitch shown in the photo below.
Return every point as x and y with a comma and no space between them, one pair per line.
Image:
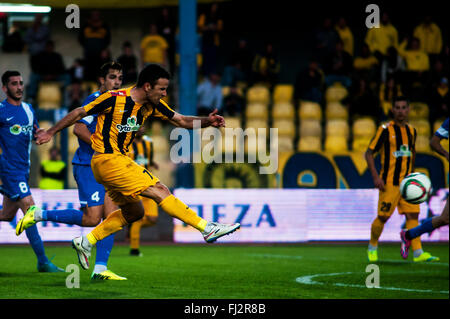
177,271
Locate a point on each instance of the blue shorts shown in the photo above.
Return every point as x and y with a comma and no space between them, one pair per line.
90,192
15,187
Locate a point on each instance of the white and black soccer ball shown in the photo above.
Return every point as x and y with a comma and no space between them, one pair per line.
415,188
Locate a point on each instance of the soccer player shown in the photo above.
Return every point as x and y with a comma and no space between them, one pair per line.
18,123
142,153
396,143
95,204
121,113
434,222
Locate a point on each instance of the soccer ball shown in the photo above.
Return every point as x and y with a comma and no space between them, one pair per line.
415,188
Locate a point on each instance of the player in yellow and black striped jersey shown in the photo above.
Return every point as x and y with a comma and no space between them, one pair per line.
395,141
141,151
120,114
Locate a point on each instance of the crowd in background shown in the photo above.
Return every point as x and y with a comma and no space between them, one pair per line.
416,66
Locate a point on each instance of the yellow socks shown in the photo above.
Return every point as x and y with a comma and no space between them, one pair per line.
416,242
135,231
375,232
113,223
176,208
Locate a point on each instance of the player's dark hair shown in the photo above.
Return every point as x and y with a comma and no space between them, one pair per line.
400,98
151,74
7,75
108,66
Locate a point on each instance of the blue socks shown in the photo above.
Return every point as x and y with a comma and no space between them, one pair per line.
36,243
103,250
423,228
66,216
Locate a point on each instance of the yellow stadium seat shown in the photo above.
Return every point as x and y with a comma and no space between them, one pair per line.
422,126
44,148
73,141
336,144
233,122
360,144
335,93
364,127
437,124
49,95
257,110
310,110
335,110
257,123
282,110
258,93
418,110
422,144
309,144
226,91
283,93
310,128
337,127
285,144
89,87
160,144
285,127
254,146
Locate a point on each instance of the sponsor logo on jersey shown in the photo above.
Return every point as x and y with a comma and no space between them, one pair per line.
130,126
16,129
404,151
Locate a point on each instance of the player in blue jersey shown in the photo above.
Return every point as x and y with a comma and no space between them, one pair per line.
432,223
95,202
18,124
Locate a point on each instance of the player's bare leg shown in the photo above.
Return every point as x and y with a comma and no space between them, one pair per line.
9,210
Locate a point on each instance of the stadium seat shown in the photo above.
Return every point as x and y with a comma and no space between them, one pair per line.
422,126
253,147
257,123
44,148
418,110
73,141
285,127
422,144
231,144
360,144
257,110
310,110
89,87
335,110
233,122
437,124
310,128
336,144
49,95
283,93
364,127
309,144
337,127
335,93
160,144
283,110
285,144
226,91
259,94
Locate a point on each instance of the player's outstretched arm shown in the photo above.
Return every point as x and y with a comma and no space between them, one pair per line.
213,119
44,136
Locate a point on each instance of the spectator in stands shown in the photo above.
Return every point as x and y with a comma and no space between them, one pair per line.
74,95
37,36
416,75
239,67
94,37
366,64
48,66
266,66
53,171
380,39
364,102
326,38
209,94
76,71
309,84
430,37
232,72
13,41
339,66
439,101
154,48
393,64
129,63
168,25
233,102
387,92
210,27
345,34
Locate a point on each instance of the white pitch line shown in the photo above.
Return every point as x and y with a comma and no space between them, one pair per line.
308,280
